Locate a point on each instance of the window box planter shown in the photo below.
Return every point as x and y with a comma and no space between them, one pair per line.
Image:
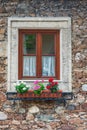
44,94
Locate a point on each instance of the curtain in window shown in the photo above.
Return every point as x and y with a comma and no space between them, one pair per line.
29,66
48,66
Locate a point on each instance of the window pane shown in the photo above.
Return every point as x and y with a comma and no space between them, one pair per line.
48,66
29,66
29,44
47,44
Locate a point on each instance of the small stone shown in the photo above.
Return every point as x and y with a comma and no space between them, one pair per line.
84,117
73,115
46,118
24,122
60,110
2,31
15,122
22,110
49,127
67,117
23,127
84,87
67,127
41,129
82,113
29,117
3,116
63,120
8,110
4,126
40,124
80,99
76,121
54,125
34,109
84,106
71,107
80,128
34,127
2,97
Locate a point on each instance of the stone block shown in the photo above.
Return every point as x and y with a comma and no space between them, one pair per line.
2,31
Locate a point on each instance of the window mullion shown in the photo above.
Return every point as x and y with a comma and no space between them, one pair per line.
39,52
20,56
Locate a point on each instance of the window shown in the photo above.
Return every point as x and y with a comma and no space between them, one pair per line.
39,54
29,64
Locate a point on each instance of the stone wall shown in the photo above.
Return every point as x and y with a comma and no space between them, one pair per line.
22,119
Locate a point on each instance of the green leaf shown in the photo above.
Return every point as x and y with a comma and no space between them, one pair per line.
42,86
21,88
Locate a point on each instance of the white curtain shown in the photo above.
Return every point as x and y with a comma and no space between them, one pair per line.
48,66
29,66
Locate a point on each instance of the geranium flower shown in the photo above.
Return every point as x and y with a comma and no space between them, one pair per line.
48,87
36,87
36,82
52,86
51,79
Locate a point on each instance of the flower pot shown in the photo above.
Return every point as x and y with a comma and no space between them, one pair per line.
44,94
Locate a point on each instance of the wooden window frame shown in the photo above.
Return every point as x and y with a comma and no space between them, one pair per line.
38,54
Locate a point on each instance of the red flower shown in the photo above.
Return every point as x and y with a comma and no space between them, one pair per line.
53,83
56,83
48,87
51,79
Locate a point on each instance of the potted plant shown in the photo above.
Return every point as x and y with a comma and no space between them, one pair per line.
39,90
52,85
38,87
21,87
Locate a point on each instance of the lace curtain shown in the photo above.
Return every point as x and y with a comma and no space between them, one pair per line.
48,66
29,66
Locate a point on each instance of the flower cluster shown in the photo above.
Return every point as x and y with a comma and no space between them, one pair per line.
38,87
21,87
52,86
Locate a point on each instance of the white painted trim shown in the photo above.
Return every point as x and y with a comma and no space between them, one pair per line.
61,54
8,51
41,19
64,23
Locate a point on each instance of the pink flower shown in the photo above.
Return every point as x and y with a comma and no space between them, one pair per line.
36,82
36,87
42,80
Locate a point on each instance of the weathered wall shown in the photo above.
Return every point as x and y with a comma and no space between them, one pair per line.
75,9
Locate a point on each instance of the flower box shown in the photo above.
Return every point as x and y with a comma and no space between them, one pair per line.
44,94
51,90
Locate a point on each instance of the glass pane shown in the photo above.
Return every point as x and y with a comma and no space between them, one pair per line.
48,66
29,66
47,44
29,44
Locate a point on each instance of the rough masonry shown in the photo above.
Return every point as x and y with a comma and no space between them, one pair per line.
64,118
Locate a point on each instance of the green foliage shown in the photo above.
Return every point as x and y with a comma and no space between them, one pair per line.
38,91
54,89
21,88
